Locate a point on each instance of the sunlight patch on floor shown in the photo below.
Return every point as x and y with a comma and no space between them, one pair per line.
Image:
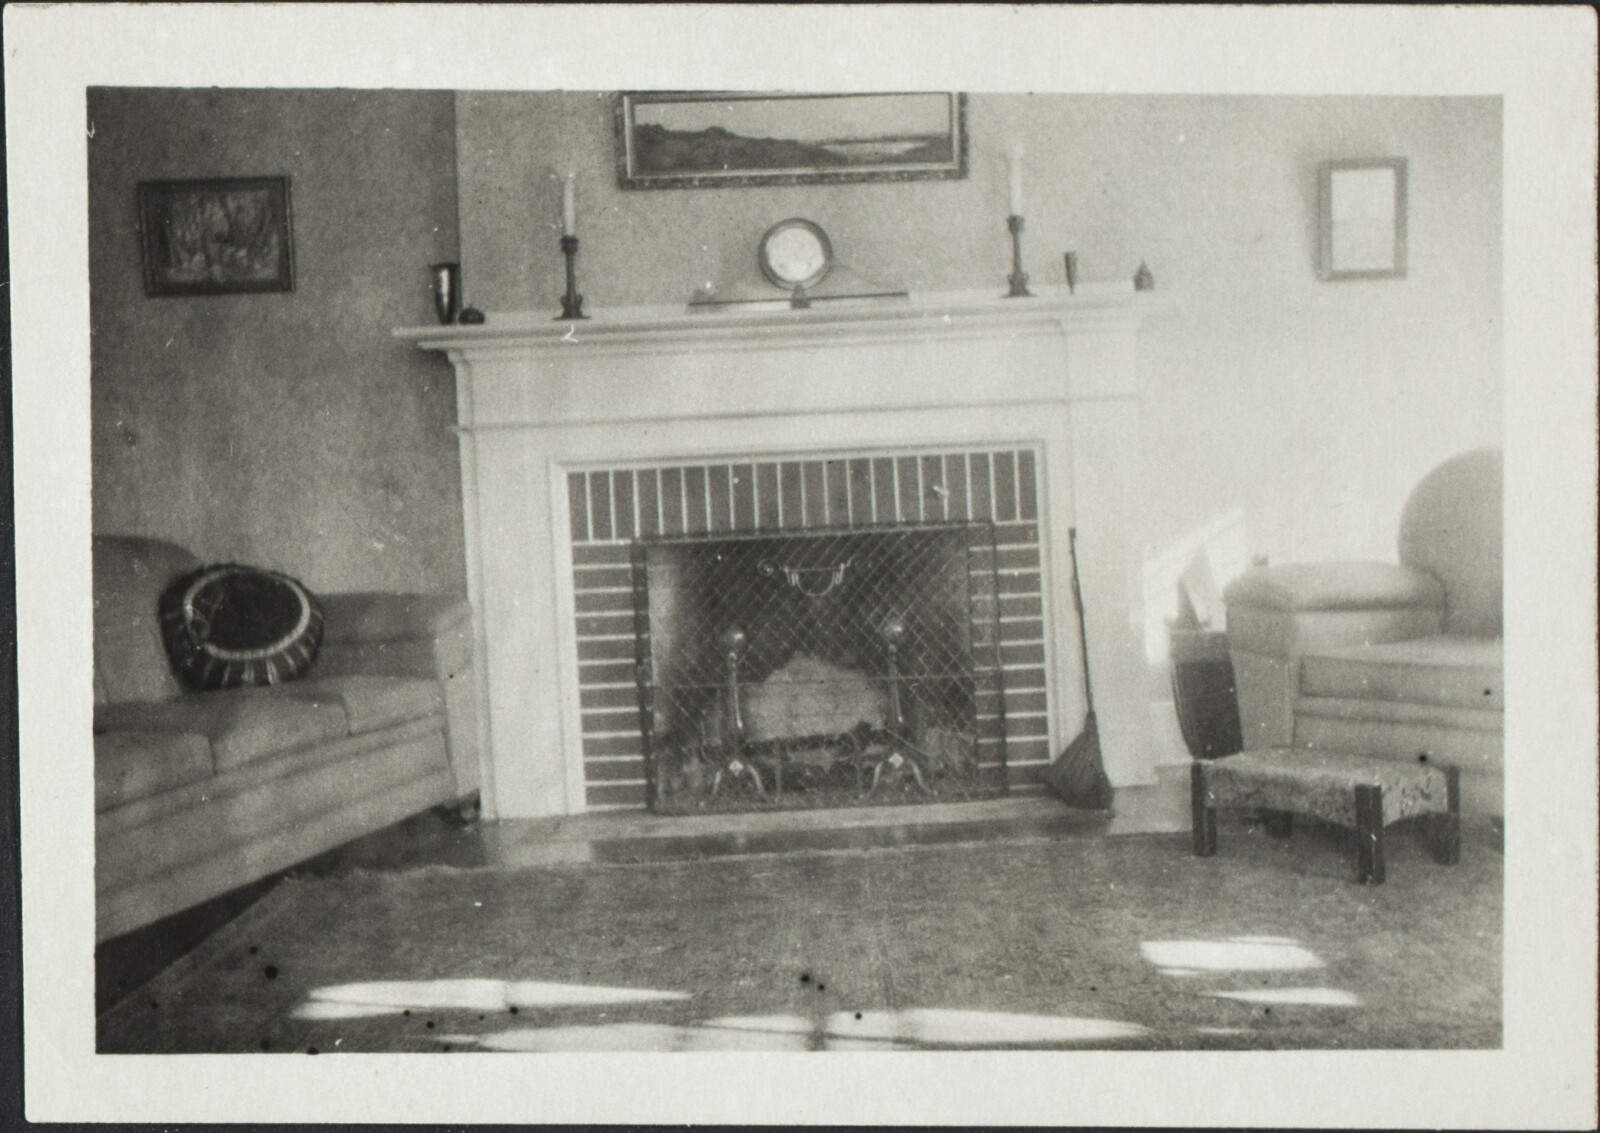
863,1044
332,1009
971,1028
781,1024
1235,954
387,997
1190,958
1307,996
631,1037
843,1030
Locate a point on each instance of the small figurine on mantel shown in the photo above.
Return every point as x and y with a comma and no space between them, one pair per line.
1142,279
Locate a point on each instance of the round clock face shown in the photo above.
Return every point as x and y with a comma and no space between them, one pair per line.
795,253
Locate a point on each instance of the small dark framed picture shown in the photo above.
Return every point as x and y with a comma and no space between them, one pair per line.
1362,224
217,237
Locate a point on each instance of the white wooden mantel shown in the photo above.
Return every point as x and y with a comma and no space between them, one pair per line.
538,397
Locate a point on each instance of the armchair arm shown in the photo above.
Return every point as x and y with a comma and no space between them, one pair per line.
1334,586
1276,614
1285,610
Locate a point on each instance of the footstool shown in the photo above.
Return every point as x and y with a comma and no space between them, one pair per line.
1353,791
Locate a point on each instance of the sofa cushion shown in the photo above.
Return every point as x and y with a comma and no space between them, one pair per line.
243,725
129,765
130,573
1334,586
372,702
1458,672
231,625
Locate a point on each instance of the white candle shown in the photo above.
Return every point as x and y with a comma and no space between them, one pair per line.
569,206
1016,181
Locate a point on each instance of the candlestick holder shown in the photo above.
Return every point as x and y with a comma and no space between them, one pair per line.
571,302
1018,277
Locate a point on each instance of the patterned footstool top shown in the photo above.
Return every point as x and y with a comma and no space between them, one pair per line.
1322,784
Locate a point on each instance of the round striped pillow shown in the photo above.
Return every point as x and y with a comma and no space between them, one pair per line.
231,625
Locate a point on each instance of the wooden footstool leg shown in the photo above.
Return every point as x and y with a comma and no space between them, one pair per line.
1369,834
1444,830
1205,815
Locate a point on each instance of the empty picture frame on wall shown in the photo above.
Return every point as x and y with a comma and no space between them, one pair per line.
216,237
681,140
1362,224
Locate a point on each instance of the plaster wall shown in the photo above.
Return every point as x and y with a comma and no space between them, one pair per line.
1310,408
286,429
291,429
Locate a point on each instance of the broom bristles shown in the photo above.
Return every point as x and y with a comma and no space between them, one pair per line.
1078,774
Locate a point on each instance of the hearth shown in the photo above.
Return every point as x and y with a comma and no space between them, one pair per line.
838,668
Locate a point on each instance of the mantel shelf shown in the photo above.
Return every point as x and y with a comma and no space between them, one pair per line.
633,328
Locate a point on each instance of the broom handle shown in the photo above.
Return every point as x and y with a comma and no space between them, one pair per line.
1083,630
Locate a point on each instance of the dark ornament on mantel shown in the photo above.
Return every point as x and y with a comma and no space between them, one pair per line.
472,316
1142,279
446,291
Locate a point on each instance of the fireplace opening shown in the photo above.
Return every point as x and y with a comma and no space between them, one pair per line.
825,668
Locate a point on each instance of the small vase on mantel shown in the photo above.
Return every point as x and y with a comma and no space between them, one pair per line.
446,291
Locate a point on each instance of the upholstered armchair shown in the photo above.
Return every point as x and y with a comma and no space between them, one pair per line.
1397,661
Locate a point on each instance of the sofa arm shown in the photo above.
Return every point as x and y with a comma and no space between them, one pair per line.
410,635
401,635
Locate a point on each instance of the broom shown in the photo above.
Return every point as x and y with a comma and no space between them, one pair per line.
1078,774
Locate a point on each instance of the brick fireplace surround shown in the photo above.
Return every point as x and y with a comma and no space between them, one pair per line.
577,437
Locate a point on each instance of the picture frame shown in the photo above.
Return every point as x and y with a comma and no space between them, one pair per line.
216,237
709,139
1362,219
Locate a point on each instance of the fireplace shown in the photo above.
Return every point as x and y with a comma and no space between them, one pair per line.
601,459
812,561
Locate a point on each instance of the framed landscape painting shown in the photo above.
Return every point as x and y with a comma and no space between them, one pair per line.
677,140
216,237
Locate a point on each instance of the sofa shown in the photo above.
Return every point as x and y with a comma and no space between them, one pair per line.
1400,661
198,793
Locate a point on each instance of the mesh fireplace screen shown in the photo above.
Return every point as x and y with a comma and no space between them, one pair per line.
819,669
